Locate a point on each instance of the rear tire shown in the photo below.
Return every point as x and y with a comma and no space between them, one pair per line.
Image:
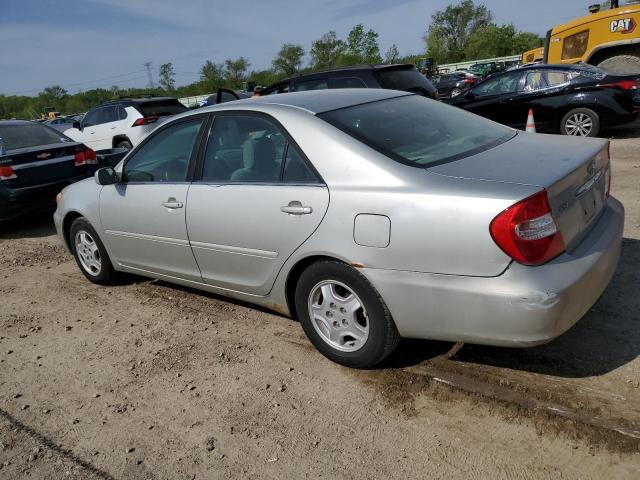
126,144
91,256
622,64
351,325
580,122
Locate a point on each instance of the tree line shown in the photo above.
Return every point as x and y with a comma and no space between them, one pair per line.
462,31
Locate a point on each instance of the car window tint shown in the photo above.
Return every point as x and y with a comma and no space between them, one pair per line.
417,131
161,108
227,97
107,114
296,169
165,157
243,149
29,135
407,79
348,82
90,118
122,113
498,85
320,84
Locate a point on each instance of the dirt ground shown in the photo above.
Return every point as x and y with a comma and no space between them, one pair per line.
146,380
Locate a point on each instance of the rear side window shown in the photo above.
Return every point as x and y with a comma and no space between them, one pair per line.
407,79
29,135
122,113
161,108
107,115
319,84
347,82
417,131
540,80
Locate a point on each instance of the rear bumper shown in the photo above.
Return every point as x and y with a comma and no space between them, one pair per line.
18,201
524,306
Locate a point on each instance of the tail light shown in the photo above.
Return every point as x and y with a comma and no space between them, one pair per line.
7,173
469,80
623,85
145,121
527,231
85,157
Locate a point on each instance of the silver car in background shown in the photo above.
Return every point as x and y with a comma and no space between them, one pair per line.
369,215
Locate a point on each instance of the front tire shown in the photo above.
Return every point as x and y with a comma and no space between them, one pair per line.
88,250
344,316
580,122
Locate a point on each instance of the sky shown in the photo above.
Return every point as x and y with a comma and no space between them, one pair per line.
84,44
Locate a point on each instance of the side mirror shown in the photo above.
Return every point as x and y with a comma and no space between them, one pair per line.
77,125
106,176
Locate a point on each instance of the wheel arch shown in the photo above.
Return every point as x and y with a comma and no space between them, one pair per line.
119,138
296,271
608,50
67,221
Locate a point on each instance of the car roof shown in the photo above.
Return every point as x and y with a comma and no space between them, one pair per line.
352,68
316,101
133,100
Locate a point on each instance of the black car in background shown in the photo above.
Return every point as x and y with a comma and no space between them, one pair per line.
394,77
36,162
569,99
453,84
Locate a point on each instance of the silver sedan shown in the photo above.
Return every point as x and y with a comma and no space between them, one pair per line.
369,215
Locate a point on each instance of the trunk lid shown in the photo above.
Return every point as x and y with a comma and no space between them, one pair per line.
42,164
574,171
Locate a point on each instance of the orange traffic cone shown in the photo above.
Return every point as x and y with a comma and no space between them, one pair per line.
531,123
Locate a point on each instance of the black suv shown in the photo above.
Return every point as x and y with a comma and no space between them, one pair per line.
395,77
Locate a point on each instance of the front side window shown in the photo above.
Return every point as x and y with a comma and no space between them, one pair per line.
417,131
165,156
243,149
499,85
91,118
575,46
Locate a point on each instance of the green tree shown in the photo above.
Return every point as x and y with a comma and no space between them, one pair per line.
450,30
236,71
289,59
212,74
392,55
499,41
362,46
326,50
167,82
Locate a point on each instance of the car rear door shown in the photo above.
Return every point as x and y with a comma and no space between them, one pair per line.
257,200
143,216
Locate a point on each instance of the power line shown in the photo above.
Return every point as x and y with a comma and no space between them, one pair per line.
80,84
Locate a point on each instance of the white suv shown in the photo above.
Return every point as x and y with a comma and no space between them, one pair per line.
123,123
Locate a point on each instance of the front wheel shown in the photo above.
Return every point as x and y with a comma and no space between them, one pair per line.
580,122
622,64
344,316
89,252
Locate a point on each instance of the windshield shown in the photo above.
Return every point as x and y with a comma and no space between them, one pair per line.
29,135
418,131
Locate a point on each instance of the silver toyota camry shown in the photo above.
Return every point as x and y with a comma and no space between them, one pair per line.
369,215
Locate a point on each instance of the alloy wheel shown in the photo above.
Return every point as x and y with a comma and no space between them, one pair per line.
579,125
88,253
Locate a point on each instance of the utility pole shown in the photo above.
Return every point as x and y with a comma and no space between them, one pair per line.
148,67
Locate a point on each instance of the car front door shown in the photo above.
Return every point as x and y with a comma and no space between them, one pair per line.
493,98
143,216
257,200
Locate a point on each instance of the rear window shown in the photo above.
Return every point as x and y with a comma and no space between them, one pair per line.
407,79
29,135
161,108
417,131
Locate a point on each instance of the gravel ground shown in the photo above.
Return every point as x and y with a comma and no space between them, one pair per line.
146,380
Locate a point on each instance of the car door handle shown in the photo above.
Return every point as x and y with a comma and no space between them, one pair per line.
172,203
296,208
